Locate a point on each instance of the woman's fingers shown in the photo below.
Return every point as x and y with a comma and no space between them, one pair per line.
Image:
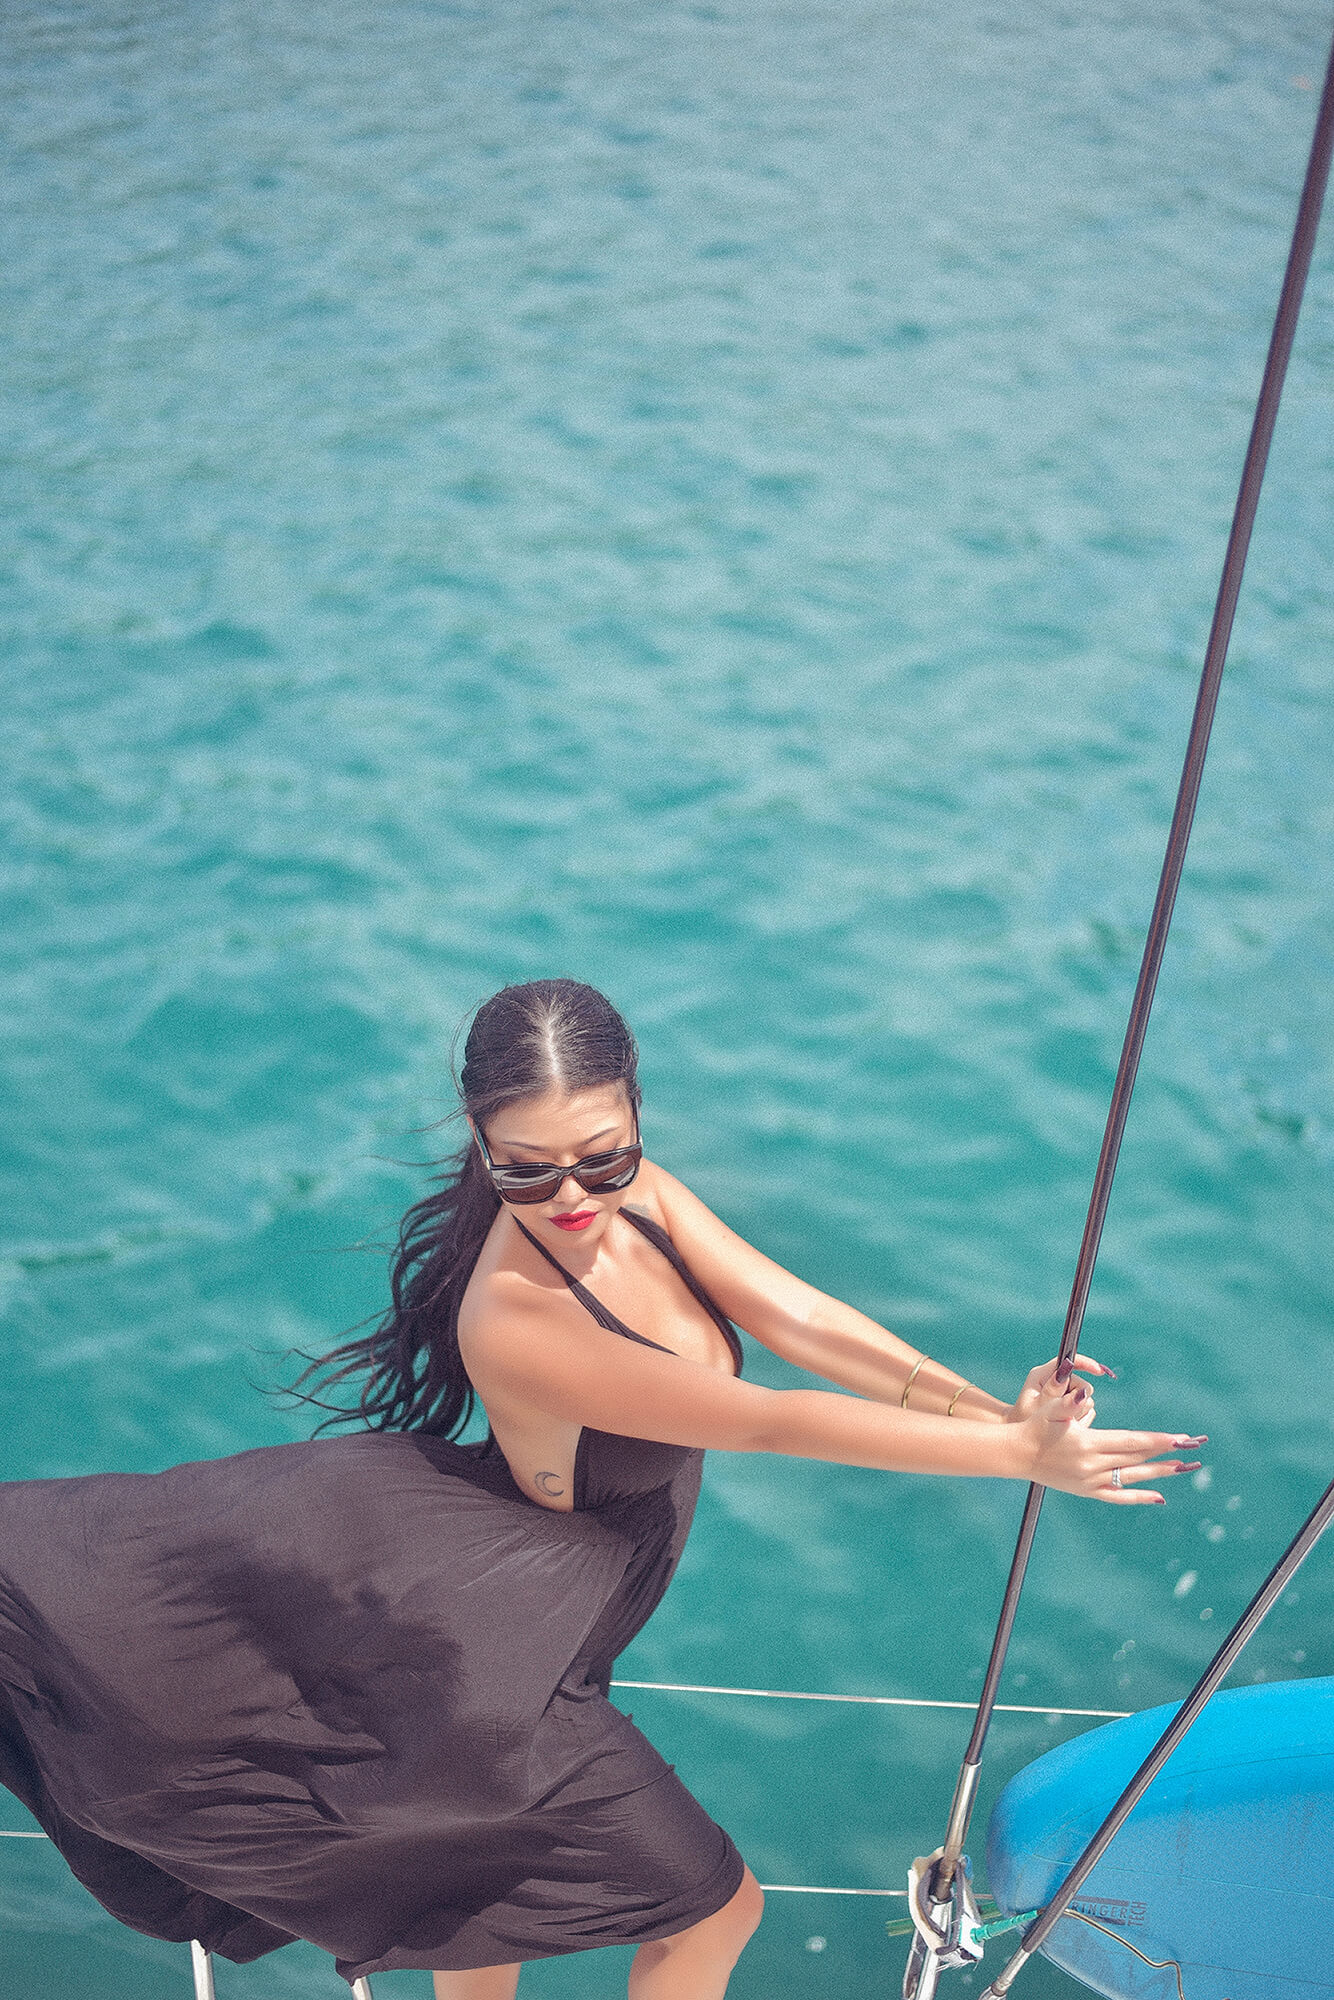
1045,1380
1127,1474
1055,1374
1133,1446
1077,1399
1083,1361
1113,1466
1125,1494
1161,1468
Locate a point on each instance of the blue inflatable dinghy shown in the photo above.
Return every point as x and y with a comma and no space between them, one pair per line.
1220,1885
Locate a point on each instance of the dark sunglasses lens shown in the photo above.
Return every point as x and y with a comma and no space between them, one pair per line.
525,1191
616,1171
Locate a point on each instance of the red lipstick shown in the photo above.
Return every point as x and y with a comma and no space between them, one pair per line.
579,1220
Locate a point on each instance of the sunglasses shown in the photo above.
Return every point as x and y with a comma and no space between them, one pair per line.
596,1173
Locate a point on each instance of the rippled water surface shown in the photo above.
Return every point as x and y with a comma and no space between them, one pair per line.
723,501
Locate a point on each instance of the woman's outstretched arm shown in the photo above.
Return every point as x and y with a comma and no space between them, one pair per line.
561,1365
807,1326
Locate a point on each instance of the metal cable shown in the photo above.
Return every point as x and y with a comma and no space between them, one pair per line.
769,1888
866,1700
1158,1964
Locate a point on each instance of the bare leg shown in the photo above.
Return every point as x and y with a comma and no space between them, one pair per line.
488,1982
696,1964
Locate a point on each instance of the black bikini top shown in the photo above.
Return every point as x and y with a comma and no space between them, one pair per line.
662,1241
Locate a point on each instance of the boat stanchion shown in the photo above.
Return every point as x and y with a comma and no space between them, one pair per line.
942,1913
945,1930
201,1963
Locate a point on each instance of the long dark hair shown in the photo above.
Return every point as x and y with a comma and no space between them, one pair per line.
524,1041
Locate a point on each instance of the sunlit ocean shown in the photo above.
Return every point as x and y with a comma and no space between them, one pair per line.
723,501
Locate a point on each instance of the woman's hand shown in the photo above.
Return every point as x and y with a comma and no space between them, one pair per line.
1041,1381
1069,1454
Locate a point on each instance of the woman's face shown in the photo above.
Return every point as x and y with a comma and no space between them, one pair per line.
561,1128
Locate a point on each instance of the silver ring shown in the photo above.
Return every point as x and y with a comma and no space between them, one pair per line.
1116,1475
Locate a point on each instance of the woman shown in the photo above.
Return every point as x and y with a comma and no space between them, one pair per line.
355,1690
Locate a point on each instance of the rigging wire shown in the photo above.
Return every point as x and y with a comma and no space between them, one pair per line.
787,1694
1158,1964
919,1980
868,1700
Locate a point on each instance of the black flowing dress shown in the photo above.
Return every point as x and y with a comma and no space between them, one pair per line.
354,1690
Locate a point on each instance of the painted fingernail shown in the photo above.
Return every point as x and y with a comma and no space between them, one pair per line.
1110,1371
1063,1369
1189,1468
1190,1440
1159,1500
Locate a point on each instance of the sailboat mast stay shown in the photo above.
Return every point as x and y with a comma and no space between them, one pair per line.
935,1898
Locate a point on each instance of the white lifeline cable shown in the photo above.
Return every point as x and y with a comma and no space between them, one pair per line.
792,1694
809,1889
869,1700
769,1888
872,1700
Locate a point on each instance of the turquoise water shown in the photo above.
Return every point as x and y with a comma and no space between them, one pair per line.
724,501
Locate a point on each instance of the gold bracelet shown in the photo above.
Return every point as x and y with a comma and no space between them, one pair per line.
955,1397
903,1400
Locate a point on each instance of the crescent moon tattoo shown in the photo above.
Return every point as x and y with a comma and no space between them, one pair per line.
548,1483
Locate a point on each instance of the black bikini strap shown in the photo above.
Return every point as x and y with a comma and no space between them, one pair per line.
658,1236
603,1316
606,1318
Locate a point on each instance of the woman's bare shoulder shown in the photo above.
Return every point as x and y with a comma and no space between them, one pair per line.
505,1284
646,1194
667,1201
672,1205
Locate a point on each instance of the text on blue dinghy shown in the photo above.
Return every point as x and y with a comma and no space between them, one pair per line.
1224,1872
